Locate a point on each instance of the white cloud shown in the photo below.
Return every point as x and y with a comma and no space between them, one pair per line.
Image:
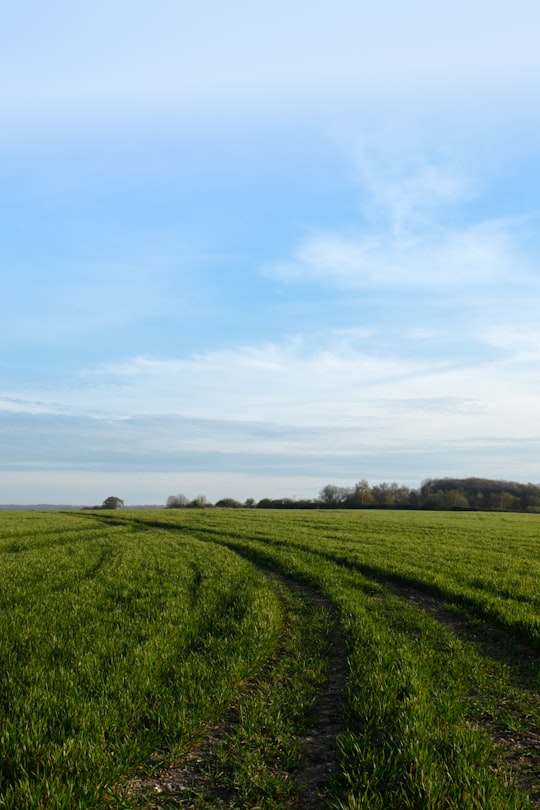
317,408
403,185
411,231
27,405
340,382
473,257
521,344
291,383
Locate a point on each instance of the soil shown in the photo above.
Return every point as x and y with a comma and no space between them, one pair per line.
179,786
319,762
519,752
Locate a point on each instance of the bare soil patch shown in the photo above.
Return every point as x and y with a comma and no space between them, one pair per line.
319,762
188,785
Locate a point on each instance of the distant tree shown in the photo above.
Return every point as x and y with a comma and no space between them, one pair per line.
446,499
455,499
485,493
278,503
199,502
478,500
402,494
361,496
332,496
433,500
530,497
177,501
503,501
283,503
249,502
228,503
112,502
384,494
306,503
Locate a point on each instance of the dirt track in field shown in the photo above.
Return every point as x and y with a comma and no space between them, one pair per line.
184,784
519,751
319,761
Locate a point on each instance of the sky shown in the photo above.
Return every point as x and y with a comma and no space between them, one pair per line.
249,249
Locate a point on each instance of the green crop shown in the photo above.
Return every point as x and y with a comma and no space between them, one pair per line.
126,635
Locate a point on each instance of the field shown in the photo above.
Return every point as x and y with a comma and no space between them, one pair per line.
251,658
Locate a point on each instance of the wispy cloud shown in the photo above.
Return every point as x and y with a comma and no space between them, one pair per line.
191,215
472,257
404,184
519,342
313,408
340,379
408,234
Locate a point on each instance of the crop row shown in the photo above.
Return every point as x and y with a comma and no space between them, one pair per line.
488,563
423,705
127,633
118,646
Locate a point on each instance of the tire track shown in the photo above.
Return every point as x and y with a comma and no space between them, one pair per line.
189,783
319,762
519,751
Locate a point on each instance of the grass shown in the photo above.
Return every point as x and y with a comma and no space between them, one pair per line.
251,765
115,649
128,633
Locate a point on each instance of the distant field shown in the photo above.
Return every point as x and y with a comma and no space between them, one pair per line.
249,659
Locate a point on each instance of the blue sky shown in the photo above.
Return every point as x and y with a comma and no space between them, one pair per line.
248,249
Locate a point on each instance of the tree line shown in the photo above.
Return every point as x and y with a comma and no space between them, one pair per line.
433,493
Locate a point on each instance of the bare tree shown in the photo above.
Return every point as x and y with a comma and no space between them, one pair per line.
177,501
334,496
200,501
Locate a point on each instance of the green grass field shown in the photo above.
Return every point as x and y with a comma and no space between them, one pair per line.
387,659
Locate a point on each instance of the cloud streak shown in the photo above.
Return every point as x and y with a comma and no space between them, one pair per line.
291,238
307,383
406,237
474,257
307,410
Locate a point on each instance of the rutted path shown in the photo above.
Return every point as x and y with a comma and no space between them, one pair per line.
319,760
519,750
192,783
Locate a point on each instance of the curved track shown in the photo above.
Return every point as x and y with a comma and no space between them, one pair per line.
194,783
519,750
